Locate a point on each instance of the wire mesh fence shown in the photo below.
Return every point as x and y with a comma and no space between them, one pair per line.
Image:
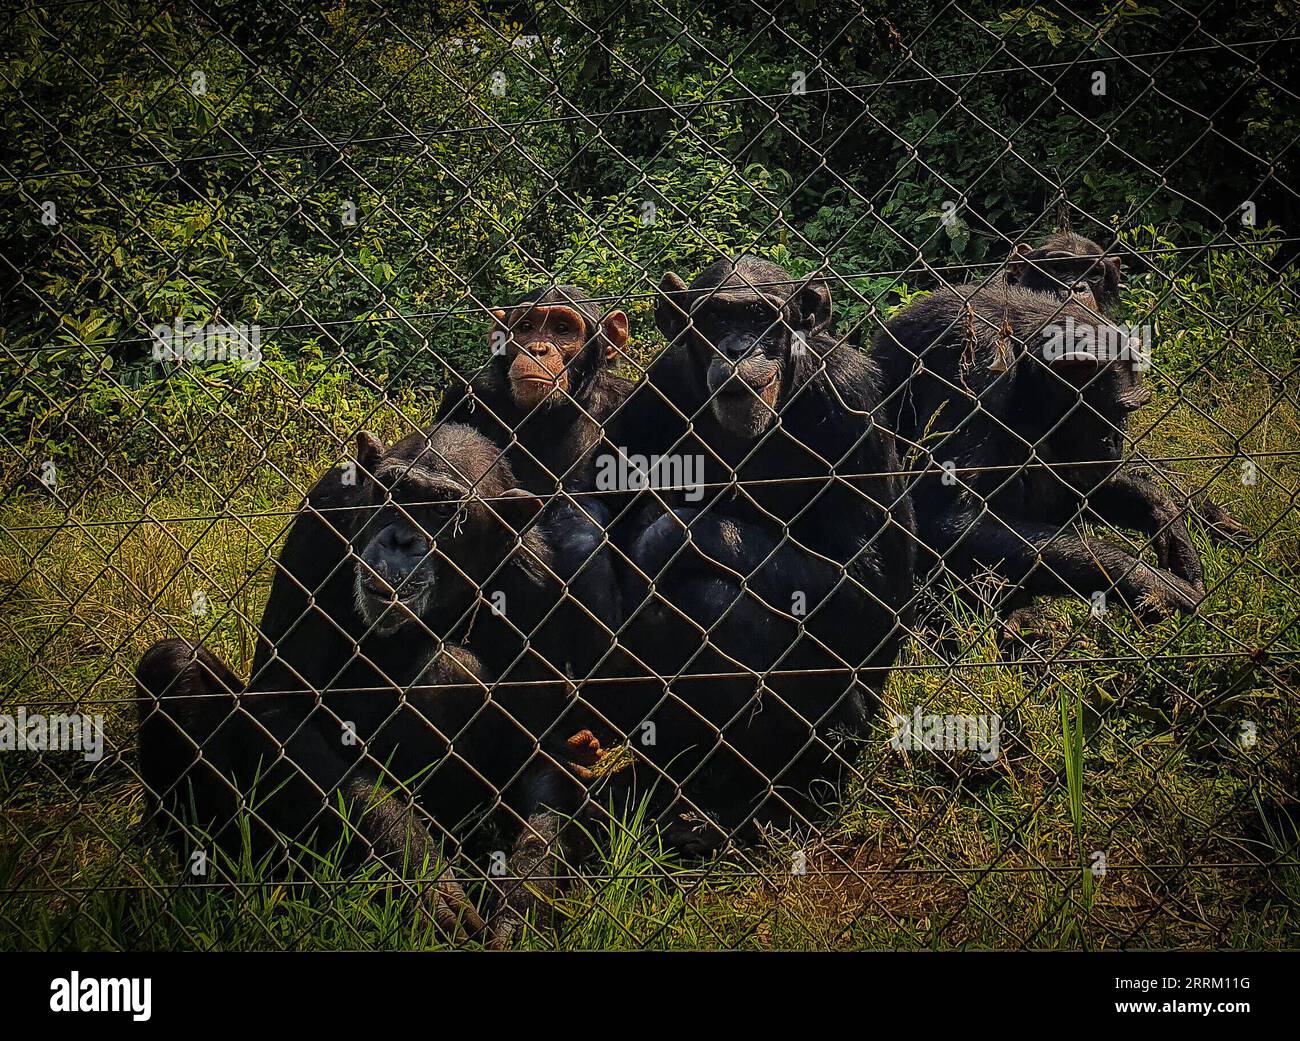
594,475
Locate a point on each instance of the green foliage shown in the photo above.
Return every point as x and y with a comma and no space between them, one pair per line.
1217,316
227,204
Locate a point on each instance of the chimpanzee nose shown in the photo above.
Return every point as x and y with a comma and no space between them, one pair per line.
403,540
736,347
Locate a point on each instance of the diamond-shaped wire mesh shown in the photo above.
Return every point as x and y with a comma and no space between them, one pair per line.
596,475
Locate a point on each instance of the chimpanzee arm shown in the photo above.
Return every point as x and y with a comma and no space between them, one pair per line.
1046,561
206,747
300,642
388,825
1131,499
1220,525
589,565
480,405
774,567
546,851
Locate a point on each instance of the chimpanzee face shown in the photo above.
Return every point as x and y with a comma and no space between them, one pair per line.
1125,385
406,543
743,322
428,530
742,342
1087,277
1086,403
1100,395
543,341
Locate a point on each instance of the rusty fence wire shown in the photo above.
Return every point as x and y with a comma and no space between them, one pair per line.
595,475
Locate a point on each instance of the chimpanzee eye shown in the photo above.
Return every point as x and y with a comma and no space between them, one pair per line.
712,328
435,518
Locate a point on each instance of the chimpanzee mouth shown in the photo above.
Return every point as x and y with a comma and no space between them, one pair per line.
376,590
385,608
742,411
542,391
738,386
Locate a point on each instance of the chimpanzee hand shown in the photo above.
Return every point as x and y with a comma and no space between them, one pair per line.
1221,525
1176,554
772,566
453,912
534,876
712,536
1161,593
1132,499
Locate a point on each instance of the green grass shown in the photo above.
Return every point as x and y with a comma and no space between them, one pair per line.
1118,736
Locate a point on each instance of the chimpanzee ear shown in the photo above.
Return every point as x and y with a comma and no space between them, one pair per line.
517,507
1016,262
671,306
815,307
498,332
1113,276
614,328
369,450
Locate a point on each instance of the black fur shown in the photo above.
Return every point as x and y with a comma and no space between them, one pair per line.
1033,447
553,448
386,711
1069,266
736,749
1066,266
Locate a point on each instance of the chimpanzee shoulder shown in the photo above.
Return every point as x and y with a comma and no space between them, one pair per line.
312,578
963,336
609,393
645,421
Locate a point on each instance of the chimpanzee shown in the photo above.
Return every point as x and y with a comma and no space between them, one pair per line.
547,390
1019,398
773,586
547,422
1068,266
433,693
545,397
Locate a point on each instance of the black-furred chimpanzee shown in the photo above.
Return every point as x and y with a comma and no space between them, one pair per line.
542,401
1017,393
782,570
401,704
1068,266
545,397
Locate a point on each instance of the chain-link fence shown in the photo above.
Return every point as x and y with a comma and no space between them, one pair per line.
596,475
